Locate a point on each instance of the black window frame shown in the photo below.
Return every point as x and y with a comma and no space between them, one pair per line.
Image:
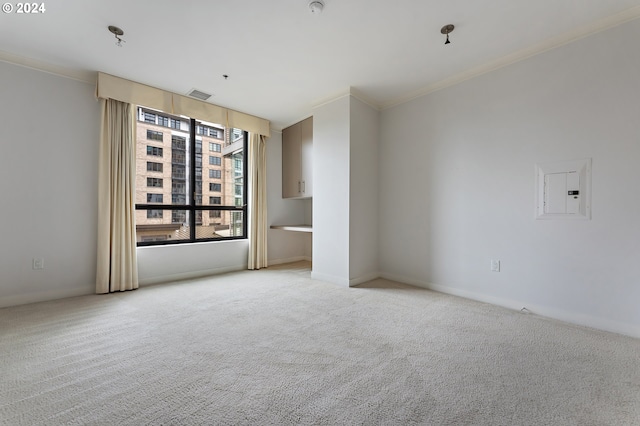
191,205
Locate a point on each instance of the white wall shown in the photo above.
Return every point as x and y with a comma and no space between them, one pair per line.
49,138
457,184
284,246
363,192
331,152
158,264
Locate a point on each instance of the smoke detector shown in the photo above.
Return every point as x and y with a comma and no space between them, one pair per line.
316,6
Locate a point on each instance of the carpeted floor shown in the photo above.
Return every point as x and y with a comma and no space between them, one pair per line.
274,347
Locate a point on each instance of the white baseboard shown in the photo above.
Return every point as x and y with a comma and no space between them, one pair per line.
405,280
288,260
45,296
363,279
545,311
343,282
190,275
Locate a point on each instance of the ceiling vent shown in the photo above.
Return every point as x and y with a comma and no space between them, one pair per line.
195,93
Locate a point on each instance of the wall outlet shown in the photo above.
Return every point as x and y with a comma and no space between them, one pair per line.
38,263
495,265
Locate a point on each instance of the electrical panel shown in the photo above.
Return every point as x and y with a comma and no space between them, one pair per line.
563,190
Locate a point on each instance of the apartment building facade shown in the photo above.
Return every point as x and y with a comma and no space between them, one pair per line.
164,177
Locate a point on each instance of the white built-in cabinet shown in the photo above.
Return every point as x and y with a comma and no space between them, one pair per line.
297,147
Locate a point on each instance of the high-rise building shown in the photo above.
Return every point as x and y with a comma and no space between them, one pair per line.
163,177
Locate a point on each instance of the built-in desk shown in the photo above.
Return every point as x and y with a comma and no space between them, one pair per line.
295,228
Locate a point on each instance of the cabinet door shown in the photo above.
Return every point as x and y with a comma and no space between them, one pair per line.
306,160
291,161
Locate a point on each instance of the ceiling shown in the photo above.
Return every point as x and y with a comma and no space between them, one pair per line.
282,60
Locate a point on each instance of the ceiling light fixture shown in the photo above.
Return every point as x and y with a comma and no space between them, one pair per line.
118,33
446,30
316,6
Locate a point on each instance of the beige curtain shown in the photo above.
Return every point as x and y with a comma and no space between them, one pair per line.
258,202
117,263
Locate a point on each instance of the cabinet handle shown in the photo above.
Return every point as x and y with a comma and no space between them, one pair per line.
298,187
303,187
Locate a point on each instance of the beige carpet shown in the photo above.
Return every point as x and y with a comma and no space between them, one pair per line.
274,347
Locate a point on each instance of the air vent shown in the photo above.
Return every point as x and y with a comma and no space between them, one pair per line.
199,95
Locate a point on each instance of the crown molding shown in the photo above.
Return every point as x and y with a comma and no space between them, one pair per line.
84,76
549,44
351,91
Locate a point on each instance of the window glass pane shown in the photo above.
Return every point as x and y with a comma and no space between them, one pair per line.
154,198
220,224
166,176
171,225
153,135
161,160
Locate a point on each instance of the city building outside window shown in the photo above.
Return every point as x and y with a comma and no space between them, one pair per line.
154,150
155,198
177,212
154,167
154,182
152,135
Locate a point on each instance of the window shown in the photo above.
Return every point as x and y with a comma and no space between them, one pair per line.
181,213
154,198
154,167
178,142
149,118
154,150
154,214
178,199
154,182
236,135
152,135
